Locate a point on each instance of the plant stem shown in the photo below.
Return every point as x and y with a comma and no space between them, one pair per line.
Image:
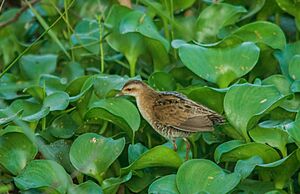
69,28
101,54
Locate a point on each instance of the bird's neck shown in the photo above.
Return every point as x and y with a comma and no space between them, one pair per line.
145,102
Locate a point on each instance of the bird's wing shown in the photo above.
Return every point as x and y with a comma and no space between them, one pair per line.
176,110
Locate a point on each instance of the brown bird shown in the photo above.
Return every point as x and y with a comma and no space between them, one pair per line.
171,114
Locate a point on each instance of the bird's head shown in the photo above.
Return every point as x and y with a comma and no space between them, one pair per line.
133,88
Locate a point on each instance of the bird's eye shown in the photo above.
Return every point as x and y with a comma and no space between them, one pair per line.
129,89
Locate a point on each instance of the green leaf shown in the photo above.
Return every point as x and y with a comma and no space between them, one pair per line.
43,173
281,170
162,81
104,84
245,104
92,154
112,184
59,152
86,187
63,126
157,156
262,32
235,150
136,21
223,14
274,137
220,65
38,115
122,108
16,150
135,151
57,101
245,167
33,66
285,57
294,69
293,129
212,178
52,83
166,184
207,96
254,186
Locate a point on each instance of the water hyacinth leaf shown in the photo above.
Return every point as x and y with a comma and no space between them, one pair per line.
87,35
295,87
254,186
136,21
245,104
112,184
212,178
86,187
220,65
157,156
32,66
280,82
294,69
104,84
57,101
162,81
99,113
130,44
43,173
92,154
122,108
63,126
245,167
224,15
17,146
181,148
291,7
209,97
293,129
235,150
59,152
281,170
135,151
285,57
38,115
52,83
262,32
274,137
166,184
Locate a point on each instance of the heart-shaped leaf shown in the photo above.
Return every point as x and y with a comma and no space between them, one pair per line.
235,150
281,170
166,184
32,66
224,15
86,187
16,150
63,126
262,32
294,69
57,101
92,154
157,156
43,173
245,167
245,104
220,65
212,178
122,108
162,81
274,137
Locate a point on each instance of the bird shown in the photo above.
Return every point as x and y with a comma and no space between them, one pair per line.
170,113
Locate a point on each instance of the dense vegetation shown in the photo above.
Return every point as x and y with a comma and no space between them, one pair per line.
62,130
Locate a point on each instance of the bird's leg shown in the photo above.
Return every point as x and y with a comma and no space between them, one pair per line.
174,145
188,147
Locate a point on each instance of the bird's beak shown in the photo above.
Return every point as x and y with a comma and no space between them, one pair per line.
120,94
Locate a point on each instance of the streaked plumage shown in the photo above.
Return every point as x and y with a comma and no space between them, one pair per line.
171,114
